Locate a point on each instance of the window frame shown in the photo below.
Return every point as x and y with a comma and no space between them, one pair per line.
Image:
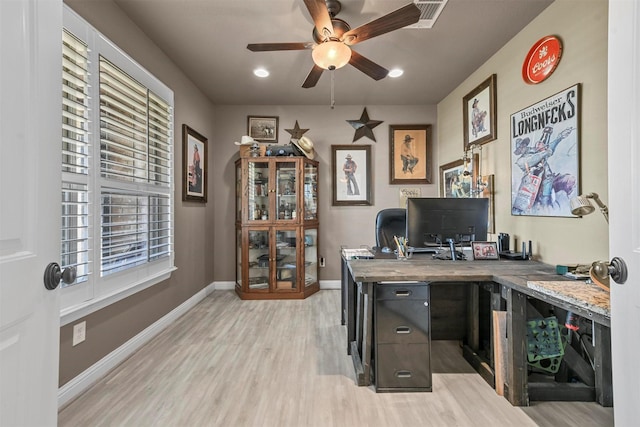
98,292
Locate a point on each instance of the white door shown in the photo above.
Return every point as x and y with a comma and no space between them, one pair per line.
30,129
624,204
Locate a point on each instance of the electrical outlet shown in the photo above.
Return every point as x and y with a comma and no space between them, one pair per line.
79,332
322,262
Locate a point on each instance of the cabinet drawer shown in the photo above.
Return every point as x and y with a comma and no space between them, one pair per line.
403,367
402,321
402,291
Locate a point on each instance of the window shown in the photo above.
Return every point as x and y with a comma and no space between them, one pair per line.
117,168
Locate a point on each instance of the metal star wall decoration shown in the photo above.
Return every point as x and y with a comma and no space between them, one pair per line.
364,126
296,132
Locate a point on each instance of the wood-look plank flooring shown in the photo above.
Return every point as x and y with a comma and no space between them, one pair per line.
229,362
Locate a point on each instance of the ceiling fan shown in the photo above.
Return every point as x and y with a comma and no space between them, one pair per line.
333,39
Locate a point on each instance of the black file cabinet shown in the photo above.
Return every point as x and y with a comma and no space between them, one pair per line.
402,337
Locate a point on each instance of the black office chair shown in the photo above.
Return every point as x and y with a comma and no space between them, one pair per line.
390,222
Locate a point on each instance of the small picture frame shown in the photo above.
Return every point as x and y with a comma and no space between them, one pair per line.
458,179
194,165
351,175
485,250
480,114
263,128
410,157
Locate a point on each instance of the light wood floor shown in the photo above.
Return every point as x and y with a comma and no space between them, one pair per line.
230,362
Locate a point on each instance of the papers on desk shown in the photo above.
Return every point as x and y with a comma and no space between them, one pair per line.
358,253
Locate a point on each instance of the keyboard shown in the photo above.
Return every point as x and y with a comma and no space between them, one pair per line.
430,250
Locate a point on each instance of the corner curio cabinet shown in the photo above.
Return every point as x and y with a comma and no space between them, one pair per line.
276,227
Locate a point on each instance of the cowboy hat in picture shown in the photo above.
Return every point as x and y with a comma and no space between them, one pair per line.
305,145
246,140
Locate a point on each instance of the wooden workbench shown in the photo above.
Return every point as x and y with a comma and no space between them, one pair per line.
511,285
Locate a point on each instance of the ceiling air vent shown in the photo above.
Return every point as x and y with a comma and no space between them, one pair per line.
429,12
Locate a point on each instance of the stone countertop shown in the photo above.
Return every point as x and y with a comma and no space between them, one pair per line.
588,296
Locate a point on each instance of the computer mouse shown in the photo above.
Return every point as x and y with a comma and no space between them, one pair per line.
386,250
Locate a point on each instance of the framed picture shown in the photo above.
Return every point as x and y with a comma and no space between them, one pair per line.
410,154
480,114
545,156
458,178
351,174
263,129
194,165
484,250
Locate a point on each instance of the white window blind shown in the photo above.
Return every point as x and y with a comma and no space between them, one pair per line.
134,146
117,148
75,157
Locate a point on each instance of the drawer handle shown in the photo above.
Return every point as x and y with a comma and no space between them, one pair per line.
403,374
403,293
403,330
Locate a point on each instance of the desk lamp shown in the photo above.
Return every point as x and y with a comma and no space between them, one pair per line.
581,205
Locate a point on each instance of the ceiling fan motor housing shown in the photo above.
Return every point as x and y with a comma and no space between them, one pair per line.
339,28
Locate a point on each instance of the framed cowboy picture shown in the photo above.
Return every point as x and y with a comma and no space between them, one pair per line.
194,168
351,167
410,154
480,114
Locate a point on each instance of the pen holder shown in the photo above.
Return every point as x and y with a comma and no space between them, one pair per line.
403,255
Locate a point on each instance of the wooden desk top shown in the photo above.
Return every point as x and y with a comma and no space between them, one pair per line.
434,270
513,274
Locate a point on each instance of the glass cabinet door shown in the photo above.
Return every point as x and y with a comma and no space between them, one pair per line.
239,191
258,191
286,260
259,261
286,200
310,191
310,256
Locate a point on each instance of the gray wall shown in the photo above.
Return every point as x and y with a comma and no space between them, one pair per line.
582,26
339,225
109,328
204,233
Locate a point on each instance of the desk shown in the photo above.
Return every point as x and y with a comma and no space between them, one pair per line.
508,283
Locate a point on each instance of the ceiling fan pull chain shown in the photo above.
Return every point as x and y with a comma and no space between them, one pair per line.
333,101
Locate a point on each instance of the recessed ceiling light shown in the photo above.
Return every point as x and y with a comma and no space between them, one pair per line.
261,72
396,72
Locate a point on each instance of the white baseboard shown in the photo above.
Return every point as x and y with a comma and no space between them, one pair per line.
224,286
330,284
90,376
230,286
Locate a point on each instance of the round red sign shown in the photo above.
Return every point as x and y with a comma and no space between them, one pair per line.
542,60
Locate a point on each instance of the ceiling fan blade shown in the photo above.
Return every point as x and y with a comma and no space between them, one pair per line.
367,66
407,15
320,15
313,77
266,47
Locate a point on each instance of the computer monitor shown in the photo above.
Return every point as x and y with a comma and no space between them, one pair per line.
432,221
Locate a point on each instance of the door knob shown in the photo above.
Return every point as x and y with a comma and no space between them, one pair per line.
616,268
53,274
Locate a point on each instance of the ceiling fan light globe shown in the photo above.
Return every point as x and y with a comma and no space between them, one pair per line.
331,55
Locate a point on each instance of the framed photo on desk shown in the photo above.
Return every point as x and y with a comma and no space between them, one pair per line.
484,250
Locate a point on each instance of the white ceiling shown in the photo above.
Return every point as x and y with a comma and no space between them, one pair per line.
207,39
